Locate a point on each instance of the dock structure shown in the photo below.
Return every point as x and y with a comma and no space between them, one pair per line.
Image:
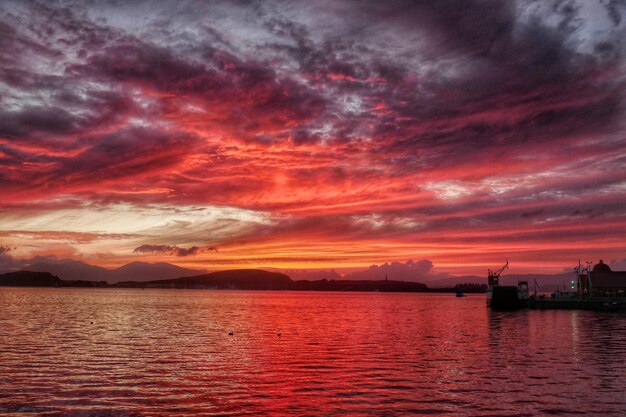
598,288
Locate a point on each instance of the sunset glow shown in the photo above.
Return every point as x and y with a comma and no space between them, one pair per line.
313,135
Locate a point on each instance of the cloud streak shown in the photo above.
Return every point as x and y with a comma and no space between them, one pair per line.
485,128
173,250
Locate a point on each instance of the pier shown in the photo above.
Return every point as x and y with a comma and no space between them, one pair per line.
597,289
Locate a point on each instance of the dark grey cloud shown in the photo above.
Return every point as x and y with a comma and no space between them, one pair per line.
204,99
7,262
453,58
173,250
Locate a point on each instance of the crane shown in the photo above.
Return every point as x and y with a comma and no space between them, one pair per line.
493,276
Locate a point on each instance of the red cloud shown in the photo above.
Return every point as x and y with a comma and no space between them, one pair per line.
492,134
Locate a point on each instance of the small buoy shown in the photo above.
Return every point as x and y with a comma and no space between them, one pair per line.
279,335
231,333
92,322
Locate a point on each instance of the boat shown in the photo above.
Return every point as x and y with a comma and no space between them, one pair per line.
505,297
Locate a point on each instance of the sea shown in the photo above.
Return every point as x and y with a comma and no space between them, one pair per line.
163,352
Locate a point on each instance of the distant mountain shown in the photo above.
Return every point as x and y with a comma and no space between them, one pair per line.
134,271
142,271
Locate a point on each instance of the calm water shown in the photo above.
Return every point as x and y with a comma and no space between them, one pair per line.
104,352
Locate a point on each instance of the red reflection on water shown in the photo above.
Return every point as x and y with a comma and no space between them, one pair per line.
159,352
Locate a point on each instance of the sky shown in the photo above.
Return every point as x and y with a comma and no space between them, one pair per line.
445,136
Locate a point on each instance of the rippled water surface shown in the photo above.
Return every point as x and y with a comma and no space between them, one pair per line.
114,352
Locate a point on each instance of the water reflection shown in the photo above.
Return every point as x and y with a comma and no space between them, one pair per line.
161,352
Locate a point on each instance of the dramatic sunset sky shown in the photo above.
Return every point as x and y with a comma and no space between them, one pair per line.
313,134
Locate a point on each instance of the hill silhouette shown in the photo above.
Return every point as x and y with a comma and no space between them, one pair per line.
29,279
43,279
134,271
258,279
241,279
235,279
165,275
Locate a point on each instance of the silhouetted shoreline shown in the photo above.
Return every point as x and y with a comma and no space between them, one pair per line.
240,279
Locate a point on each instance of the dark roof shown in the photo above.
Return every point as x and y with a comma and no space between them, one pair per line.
608,279
601,267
